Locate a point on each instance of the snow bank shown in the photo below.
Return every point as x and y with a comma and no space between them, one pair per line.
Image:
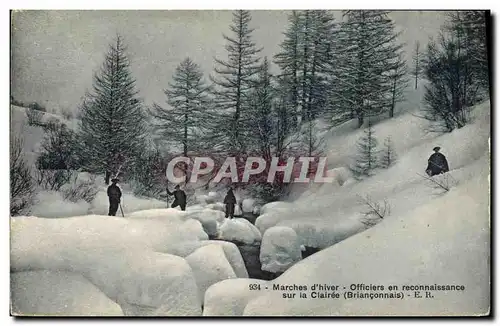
58,293
275,206
229,297
52,204
209,265
239,229
129,203
445,241
280,249
117,255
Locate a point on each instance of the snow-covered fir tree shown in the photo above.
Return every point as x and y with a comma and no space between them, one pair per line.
263,125
111,126
417,63
367,49
367,157
306,53
184,123
389,156
233,81
398,77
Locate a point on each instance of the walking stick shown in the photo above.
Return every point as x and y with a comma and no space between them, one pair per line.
121,210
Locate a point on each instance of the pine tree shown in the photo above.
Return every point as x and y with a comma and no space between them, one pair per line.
453,82
367,50
111,127
388,155
304,61
366,160
399,82
417,63
234,81
184,123
263,124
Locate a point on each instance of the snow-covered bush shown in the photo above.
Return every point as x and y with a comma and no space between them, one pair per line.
34,117
21,183
53,180
79,189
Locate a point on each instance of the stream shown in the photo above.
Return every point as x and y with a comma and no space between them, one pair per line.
250,255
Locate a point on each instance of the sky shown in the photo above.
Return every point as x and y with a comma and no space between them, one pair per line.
54,54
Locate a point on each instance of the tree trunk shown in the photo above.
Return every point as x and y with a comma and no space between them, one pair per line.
107,177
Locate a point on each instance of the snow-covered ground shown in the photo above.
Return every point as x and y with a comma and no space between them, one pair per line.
159,261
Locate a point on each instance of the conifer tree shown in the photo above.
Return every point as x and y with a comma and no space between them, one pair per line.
399,82
233,82
417,63
185,122
111,126
366,160
367,50
388,154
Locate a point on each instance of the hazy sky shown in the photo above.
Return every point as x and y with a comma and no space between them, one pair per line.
55,53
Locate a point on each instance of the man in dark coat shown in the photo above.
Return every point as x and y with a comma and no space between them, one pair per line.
437,163
230,201
180,197
114,194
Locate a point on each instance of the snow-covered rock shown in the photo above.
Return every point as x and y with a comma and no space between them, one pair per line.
275,206
209,218
229,297
58,293
217,206
248,205
233,255
209,265
239,229
119,256
280,249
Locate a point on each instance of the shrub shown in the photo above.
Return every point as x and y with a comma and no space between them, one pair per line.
78,190
34,117
38,107
21,183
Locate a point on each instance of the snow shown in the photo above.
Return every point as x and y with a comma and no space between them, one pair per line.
217,206
209,265
239,229
229,297
209,218
52,204
122,257
58,293
248,205
280,249
238,211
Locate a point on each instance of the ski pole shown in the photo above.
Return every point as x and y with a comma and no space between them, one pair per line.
121,210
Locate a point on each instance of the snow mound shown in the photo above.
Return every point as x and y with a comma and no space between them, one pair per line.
275,206
267,220
229,297
209,265
239,229
115,254
209,218
280,249
58,293
233,255
217,206
248,205
51,204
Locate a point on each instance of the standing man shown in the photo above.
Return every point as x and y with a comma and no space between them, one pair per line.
114,194
437,163
230,201
180,197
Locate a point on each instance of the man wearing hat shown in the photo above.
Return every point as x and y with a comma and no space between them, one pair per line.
437,163
180,197
114,194
230,202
